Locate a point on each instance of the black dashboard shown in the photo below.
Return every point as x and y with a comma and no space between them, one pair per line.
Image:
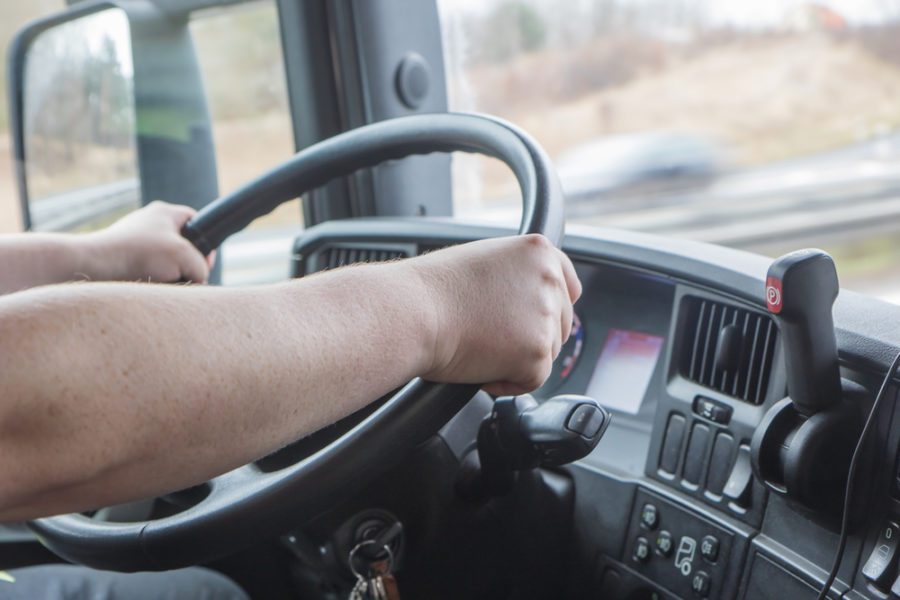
667,505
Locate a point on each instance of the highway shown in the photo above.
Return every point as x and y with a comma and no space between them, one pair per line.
831,198
824,199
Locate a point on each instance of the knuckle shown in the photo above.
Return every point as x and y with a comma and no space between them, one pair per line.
537,242
538,375
183,250
549,275
546,308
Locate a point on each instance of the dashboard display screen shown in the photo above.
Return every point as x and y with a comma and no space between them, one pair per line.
623,371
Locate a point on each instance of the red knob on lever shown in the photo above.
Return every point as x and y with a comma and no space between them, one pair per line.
801,288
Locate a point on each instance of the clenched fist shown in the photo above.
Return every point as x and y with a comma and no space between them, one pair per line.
502,309
148,245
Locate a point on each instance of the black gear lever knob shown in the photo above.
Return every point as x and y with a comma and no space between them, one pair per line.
801,288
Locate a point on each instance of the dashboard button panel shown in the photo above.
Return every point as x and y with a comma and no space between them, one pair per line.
690,554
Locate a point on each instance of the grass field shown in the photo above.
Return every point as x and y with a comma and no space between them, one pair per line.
763,99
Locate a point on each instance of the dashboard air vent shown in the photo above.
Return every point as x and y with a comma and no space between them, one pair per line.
728,349
338,255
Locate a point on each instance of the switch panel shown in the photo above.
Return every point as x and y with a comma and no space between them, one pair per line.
689,555
709,462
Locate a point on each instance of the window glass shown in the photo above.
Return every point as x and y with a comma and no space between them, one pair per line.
766,125
239,49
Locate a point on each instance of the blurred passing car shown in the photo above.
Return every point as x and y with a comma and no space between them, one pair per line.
638,164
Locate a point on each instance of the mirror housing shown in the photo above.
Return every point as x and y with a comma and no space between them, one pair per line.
175,152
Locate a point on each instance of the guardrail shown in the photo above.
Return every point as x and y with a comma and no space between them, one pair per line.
72,210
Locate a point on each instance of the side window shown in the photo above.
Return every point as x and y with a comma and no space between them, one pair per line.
239,49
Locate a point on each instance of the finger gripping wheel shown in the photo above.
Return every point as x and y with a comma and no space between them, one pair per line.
802,448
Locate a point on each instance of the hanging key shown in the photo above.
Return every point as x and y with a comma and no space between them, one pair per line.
378,583
386,579
360,591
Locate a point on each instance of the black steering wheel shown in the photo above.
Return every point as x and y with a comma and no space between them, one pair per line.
248,505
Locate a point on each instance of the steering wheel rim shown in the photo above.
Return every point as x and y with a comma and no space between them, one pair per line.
247,504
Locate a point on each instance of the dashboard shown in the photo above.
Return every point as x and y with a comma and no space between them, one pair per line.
668,505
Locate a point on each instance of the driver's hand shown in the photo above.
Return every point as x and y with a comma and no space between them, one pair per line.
502,308
147,245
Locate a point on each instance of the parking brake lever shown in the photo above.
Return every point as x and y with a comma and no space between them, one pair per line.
801,288
802,447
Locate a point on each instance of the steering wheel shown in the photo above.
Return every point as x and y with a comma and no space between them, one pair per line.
249,505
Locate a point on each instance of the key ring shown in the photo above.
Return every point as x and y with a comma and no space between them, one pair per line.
363,544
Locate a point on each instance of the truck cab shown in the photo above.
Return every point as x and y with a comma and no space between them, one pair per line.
721,422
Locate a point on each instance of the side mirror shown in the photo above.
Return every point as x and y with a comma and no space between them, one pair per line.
78,124
108,113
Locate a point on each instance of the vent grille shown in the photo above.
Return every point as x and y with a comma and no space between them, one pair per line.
339,255
750,351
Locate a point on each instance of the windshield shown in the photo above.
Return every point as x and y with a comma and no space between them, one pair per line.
766,126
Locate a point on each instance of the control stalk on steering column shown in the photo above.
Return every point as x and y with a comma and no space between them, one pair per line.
802,448
522,434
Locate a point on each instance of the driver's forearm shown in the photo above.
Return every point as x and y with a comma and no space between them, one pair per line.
31,259
113,392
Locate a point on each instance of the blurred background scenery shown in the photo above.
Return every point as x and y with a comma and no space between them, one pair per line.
766,125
